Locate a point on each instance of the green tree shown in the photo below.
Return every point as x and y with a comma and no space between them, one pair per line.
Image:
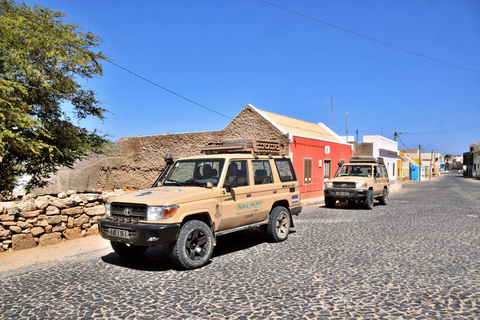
447,157
43,57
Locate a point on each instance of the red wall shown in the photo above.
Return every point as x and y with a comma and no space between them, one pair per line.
315,149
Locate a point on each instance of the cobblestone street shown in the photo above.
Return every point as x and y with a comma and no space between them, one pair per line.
416,258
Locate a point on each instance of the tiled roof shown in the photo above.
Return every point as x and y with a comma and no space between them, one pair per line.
299,127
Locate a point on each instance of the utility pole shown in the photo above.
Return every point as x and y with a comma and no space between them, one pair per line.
347,126
331,101
431,167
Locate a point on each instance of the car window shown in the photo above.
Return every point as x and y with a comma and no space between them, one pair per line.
194,172
385,172
285,170
238,169
378,172
262,172
355,170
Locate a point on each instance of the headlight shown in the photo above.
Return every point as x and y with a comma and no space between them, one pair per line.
360,185
108,209
161,213
329,184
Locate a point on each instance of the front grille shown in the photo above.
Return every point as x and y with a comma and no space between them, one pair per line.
345,185
129,212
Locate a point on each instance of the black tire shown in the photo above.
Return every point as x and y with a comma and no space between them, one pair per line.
330,202
128,250
279,224
368,202
384,198
194,245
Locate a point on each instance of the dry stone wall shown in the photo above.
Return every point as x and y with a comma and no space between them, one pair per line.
46,220
134,163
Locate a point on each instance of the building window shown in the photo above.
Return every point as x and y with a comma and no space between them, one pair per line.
326,168
307,170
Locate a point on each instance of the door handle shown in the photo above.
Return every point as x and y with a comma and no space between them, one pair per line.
274,191
249,195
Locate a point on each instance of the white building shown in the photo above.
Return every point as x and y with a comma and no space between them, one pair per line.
388,150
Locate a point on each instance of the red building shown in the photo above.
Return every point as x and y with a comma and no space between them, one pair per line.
315,151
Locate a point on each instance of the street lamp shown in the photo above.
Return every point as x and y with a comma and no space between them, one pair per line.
396,135
331,101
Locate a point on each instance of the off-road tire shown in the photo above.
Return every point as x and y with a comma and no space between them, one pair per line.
279,224
368,201
194,245
330,202
128,250
384,198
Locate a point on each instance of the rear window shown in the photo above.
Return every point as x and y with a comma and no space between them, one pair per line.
285,170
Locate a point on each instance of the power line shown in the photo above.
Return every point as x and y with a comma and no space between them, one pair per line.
168,90
369,38
445,131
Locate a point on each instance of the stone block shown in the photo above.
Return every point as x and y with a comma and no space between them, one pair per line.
27,206
7,217
30,214
70,222
5,233
59,227
52,210
41,223
48,229
15,229
95,211
24,225
93,230
13,210
71,234
72,211
23,241
81,220
54,219
50,238
42,202
36,231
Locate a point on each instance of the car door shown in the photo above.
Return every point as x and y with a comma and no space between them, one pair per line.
238,200
379,178
266,190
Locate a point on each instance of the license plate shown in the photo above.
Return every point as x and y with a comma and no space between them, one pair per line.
118,233
342,193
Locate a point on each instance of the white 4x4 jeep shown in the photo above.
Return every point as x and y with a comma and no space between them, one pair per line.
198,198
363,179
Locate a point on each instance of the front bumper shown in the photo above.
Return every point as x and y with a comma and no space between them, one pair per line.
140,234
346,194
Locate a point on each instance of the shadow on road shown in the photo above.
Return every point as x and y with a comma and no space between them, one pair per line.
157,258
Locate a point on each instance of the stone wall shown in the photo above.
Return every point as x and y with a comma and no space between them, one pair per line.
135,162
46,220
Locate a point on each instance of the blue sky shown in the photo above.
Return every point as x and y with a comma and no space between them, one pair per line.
226,54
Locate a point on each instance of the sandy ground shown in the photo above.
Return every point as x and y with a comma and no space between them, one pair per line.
16,259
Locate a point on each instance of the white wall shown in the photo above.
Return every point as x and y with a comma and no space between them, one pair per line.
388,150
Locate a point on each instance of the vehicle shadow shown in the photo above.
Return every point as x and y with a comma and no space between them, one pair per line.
157,258
347,206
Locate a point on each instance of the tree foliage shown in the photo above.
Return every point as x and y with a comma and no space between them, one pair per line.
43,57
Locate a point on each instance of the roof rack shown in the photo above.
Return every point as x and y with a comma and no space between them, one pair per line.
360,159
268,147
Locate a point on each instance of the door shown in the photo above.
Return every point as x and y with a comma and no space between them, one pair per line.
238,202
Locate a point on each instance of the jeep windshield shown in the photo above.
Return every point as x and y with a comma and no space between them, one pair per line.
196,172
355,170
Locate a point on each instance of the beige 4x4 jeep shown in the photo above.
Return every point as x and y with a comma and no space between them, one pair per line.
363,179
198,198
